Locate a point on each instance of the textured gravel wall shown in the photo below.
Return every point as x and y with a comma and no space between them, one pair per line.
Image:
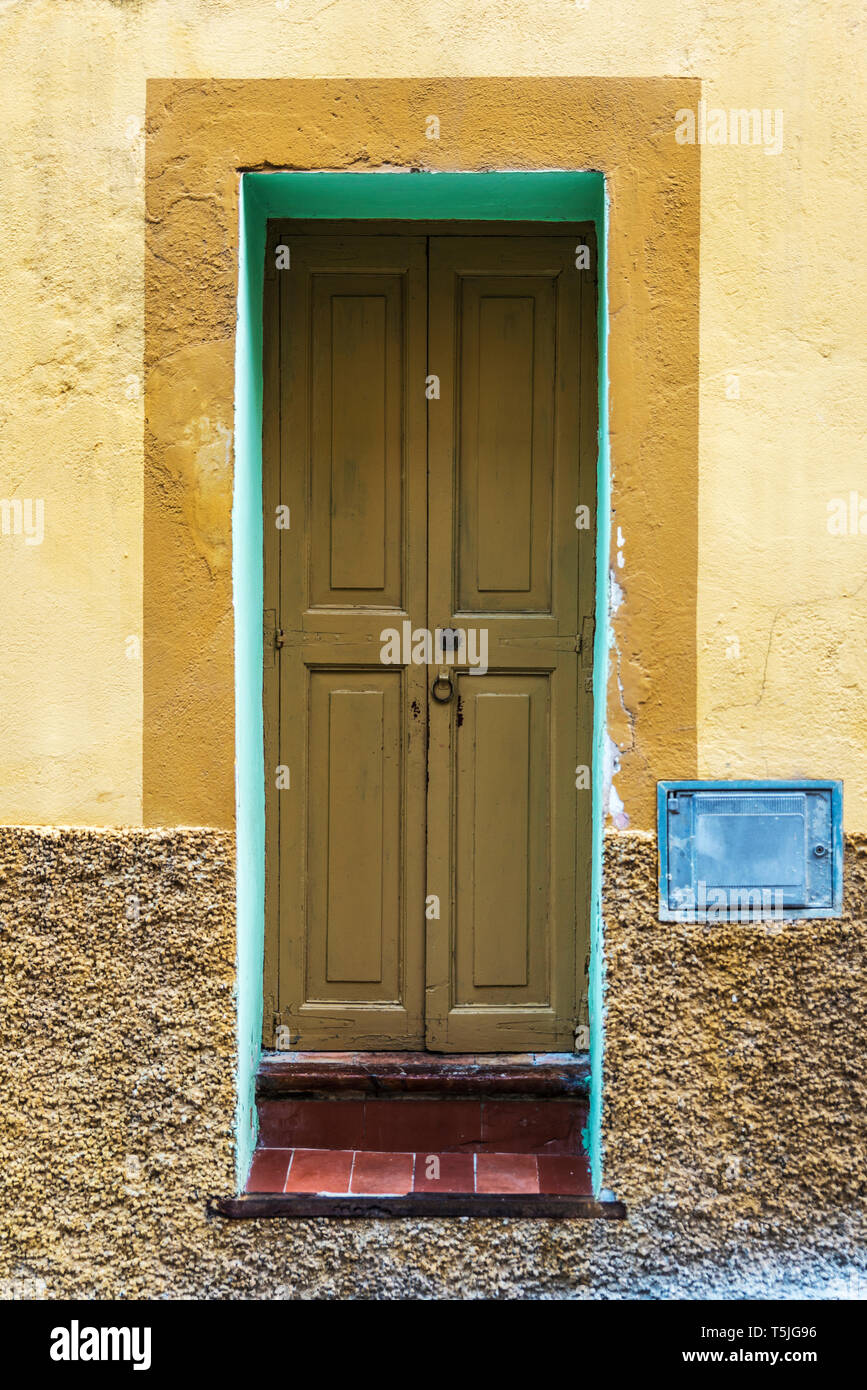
734,1123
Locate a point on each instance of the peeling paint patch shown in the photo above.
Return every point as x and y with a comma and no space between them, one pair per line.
617,810
616,595
610,768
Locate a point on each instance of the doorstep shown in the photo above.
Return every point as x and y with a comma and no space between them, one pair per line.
402,1134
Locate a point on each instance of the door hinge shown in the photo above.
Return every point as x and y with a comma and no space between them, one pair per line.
273,637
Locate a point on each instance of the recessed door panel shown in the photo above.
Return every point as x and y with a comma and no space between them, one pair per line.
356,420
502,898
505,443
354,836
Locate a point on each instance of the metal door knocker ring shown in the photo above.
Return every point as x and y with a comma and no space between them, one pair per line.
444,679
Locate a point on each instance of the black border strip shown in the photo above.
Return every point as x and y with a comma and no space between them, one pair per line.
255,1205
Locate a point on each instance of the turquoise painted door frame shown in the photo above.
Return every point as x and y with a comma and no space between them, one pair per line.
544,197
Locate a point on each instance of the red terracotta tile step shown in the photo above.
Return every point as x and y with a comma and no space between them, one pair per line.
320,1170
565,1175
268,1170
382,1173
506,1173
370,1172
444,1172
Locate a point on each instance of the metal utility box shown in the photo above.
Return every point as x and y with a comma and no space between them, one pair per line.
749,851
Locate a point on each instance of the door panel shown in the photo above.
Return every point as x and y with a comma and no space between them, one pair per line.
354,836
505,478
505,454
502,899
356,403
457,512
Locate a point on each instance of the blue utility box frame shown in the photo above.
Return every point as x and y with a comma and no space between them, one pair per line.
749,851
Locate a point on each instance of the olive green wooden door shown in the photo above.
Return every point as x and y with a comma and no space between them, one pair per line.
430,427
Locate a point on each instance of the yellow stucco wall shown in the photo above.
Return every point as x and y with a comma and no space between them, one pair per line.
199,134
782,656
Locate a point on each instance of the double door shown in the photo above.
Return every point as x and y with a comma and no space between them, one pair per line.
429,462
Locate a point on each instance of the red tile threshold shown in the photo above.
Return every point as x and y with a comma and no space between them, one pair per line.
345,1172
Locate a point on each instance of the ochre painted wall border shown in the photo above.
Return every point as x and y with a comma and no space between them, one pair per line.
200,134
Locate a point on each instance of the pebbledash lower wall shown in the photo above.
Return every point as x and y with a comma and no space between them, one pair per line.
734,1120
